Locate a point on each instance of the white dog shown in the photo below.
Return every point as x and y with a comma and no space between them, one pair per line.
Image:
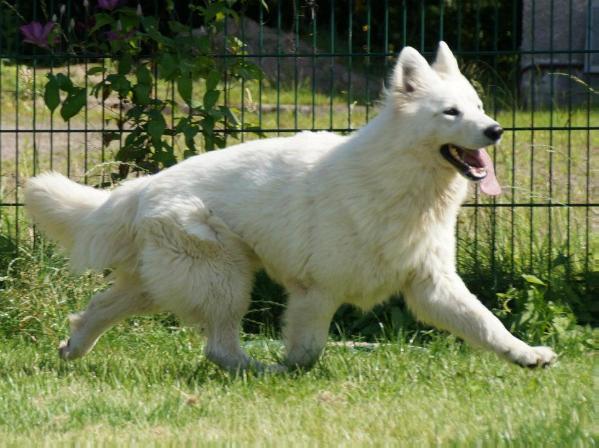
334,219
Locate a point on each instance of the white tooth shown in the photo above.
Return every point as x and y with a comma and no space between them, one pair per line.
454,152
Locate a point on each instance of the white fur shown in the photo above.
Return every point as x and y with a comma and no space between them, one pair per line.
333,219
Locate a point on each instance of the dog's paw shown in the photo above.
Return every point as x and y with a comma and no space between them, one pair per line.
533,356
545,356
66,351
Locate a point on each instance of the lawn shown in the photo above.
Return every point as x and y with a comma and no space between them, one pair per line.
145,384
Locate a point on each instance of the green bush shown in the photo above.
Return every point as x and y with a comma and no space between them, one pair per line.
142,50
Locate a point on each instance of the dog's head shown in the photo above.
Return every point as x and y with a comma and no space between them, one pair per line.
447,112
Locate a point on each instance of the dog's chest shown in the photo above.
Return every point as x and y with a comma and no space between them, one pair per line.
376,265
382,274
362,273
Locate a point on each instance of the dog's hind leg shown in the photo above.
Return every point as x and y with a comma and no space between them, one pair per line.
442,300
123,299
222,338
205,292
194,266
307,320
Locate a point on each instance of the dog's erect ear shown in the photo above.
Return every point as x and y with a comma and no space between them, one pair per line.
445,62
411,72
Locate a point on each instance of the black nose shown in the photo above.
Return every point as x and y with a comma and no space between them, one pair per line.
494,132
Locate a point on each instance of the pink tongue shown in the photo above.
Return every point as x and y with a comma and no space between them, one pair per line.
489,184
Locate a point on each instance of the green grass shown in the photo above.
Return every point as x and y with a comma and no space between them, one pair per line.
150,385
147,382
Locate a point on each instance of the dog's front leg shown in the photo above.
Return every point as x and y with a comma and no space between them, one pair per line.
307,320
441,299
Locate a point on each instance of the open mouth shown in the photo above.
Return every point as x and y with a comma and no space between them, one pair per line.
470,163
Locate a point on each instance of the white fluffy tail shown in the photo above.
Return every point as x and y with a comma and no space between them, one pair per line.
59,205
93,225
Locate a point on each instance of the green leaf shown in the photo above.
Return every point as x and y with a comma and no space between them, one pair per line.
106,91
129,19
212,80
247,71
178,27
167,66
125,64
119,83
136,113
152,28
64,82
156,126
208,142
533,279
203,64
210,98
219,141
141,94
560,260
101,19
125,151
95,70
163,154
190,132
231,116
149,23
207,125
74,102
95,91
203,45
52,94
182,124
184,87
144,76
109,136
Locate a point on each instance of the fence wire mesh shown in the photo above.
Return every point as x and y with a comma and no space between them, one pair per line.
325,63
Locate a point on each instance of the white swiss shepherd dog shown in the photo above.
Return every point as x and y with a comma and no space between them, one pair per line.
333,219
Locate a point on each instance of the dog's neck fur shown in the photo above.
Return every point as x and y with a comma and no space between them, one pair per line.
369,160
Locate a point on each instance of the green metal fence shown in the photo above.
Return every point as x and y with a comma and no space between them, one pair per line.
325,63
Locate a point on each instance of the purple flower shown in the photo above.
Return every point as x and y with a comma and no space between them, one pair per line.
112,35
37,34
119,35
108,4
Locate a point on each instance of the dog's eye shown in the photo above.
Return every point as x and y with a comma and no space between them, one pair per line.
451,111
